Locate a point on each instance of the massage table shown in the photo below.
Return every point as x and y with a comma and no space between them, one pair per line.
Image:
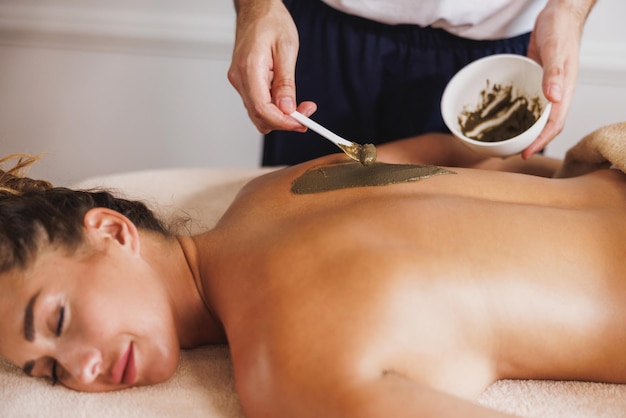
203,385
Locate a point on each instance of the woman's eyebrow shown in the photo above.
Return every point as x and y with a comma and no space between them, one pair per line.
29,318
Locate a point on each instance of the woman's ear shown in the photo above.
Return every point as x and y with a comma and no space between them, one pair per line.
103,224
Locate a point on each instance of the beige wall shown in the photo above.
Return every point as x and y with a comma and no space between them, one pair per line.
119,85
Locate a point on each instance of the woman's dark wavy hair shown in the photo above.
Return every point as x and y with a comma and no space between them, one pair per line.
34,212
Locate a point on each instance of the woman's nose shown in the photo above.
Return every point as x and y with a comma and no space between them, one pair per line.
84,365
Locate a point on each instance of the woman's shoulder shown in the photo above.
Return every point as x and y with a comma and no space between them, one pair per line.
282,178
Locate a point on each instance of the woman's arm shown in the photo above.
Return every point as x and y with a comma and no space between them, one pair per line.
389,395
445,150
392,395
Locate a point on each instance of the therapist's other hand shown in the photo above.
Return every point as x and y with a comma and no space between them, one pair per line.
555,44
263,65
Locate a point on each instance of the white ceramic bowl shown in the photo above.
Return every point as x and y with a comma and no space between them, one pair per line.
464,91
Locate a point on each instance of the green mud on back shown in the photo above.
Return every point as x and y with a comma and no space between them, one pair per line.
353,174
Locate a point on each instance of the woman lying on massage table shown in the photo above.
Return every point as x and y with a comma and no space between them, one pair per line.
402,300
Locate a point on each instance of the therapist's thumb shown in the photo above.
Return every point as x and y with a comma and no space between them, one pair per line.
284,87
285,96
553,80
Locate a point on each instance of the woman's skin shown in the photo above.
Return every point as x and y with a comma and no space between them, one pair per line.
402,300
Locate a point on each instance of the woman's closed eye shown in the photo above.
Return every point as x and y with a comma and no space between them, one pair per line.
60,320
54,378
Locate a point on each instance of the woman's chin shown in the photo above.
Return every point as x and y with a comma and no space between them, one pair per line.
155,374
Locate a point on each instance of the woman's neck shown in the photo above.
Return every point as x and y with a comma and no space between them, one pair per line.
177,263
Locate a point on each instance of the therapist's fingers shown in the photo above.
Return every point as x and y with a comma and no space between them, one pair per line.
253,82
283,81
554,44
307,108
560,69
266,47
554,126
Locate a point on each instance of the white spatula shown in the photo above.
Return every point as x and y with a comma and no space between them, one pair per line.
365,154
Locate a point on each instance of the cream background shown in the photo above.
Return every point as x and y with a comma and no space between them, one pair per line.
119,85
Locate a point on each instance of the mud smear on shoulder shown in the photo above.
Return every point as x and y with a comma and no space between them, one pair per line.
353,174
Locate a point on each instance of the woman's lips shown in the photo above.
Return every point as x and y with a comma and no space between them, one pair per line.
125,370
130,373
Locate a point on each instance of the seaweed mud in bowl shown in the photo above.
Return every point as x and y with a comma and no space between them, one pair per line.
502,113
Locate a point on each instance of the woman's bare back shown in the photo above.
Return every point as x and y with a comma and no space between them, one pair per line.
451,282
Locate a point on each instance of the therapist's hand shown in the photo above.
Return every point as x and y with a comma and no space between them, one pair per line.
555,44
263,65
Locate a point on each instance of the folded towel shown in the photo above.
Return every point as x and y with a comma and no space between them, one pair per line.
603,148
556,399
203,386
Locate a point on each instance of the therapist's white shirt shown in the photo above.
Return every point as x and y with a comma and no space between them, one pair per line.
474,19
